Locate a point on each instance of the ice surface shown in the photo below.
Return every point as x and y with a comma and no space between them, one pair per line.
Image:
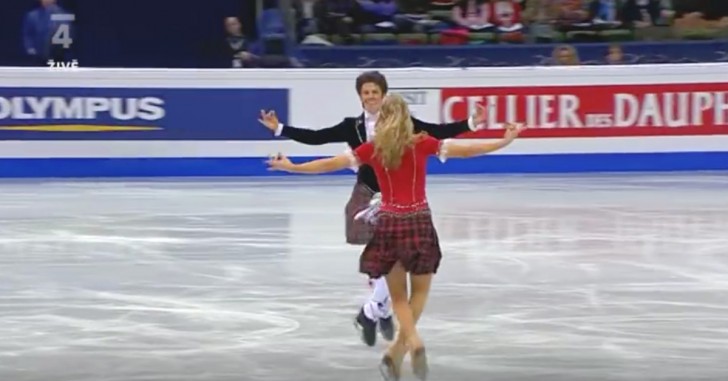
544,278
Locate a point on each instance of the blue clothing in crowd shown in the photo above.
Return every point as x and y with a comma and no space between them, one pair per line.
607,10
38,30
380,8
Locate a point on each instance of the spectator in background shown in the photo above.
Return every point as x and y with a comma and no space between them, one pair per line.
415,15
385,16
649,19
606,12
421,7
642,13
305,18
565,55
507,16
377,12
39,30
336,17
474,15
540,16
572,14
237,46
615,55
701,14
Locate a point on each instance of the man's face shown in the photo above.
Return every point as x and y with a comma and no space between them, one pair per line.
232,26
371,97
47,3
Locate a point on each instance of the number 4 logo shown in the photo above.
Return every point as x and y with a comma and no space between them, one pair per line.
62,35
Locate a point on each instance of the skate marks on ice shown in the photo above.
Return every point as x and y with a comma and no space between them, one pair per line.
582,280
563,278
148,282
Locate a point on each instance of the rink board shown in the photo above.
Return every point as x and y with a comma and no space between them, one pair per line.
176,167
111,123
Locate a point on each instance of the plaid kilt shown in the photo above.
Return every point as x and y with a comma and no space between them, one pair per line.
409,238
358,232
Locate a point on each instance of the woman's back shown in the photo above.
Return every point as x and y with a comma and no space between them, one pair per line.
402,187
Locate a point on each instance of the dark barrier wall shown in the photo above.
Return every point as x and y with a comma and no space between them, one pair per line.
509,55
135,33
11,19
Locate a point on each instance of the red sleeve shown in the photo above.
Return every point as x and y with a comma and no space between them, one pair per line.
429,146
364,153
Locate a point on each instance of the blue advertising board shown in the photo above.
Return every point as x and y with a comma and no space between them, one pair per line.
137,113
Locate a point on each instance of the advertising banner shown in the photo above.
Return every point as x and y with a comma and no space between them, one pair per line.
423,102
137,113
596,111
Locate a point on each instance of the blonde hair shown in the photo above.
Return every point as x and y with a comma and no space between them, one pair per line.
395,131
573,55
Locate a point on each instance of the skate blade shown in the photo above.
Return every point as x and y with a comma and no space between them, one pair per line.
387,370
419,364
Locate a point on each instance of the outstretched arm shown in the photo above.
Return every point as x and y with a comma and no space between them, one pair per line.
314,137
331,134
451,130
466,150
331,164
443,131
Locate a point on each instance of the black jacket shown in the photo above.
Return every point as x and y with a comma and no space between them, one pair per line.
352,131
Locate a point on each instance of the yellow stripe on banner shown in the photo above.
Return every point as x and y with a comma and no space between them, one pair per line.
78,128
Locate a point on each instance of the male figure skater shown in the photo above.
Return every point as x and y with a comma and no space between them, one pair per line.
371,87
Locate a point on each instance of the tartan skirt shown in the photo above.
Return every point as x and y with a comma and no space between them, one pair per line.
358,232
409,238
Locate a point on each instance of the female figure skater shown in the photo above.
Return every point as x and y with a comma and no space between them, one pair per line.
371,87
405,240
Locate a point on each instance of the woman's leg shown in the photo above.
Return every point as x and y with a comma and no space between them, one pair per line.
397,284
394,357
399,346
418,299
420,293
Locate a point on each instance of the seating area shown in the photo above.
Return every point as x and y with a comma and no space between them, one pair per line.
466,22
379,33
401,33
390,22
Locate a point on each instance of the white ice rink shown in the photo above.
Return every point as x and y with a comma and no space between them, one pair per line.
544,278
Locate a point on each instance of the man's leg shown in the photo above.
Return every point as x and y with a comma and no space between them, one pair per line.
376,310
359,232
379,308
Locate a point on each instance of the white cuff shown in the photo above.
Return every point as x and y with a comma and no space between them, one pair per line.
369,214
471,123
353,161
442,152
279,130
